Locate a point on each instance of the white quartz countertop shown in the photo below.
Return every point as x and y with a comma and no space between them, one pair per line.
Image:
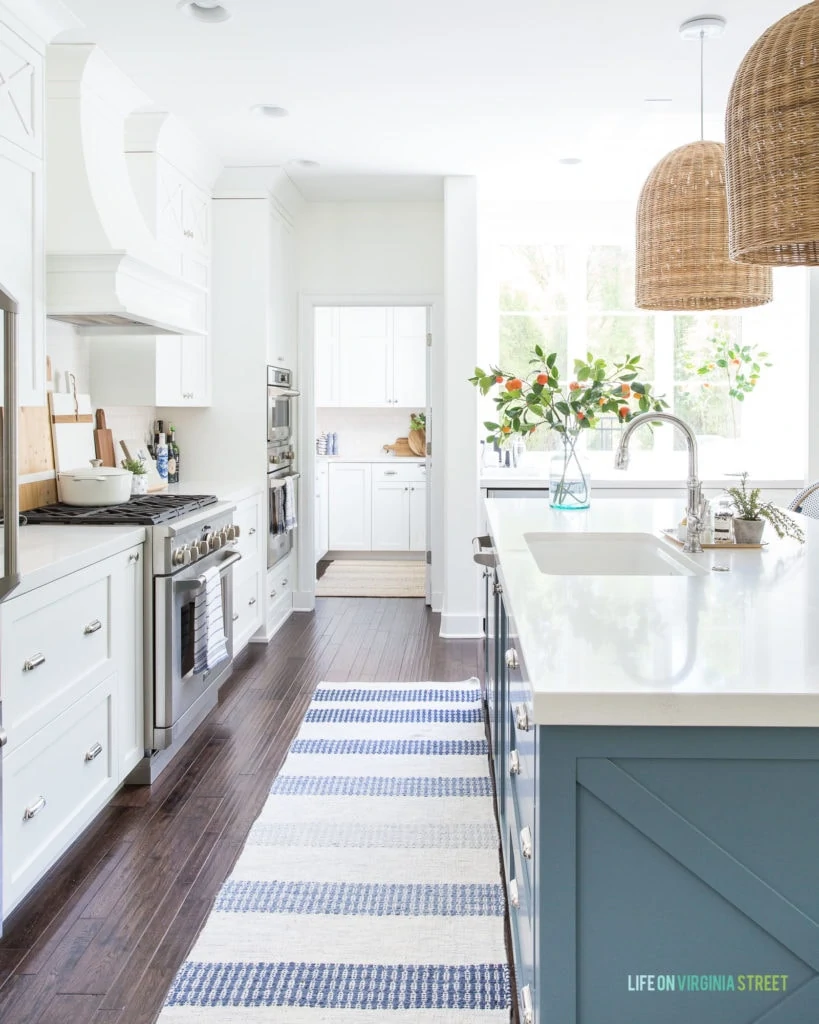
49,552
374,458
737,648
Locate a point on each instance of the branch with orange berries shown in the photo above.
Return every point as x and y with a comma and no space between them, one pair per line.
541,399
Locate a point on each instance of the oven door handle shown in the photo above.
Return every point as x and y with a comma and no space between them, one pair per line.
283,392
196,584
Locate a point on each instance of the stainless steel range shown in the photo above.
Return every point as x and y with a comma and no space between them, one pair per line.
187,534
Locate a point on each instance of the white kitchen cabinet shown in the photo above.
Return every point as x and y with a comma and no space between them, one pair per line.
370,356
418,517
72,687
322,512
391,515
365,358
163,370
350,526
22,200
410,357
247,608
284,315
279,597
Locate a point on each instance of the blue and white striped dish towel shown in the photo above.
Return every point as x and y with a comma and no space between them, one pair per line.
209,641
289,504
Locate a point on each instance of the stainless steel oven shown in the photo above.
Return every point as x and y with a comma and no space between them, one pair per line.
279,538
280,412
178,689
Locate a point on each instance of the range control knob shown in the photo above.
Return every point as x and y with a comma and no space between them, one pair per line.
192,552
178,556
236,532
204,547
215,541
231,533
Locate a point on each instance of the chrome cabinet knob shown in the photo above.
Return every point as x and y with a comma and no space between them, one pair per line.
514,895
94,752
522,717
34,809
514,763
4,737
93,627
526,842
511,658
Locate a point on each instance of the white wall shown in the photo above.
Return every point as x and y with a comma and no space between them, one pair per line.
371,248
460,616
362,433
70,352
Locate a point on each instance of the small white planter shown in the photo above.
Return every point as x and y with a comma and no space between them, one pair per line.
748,531
139,483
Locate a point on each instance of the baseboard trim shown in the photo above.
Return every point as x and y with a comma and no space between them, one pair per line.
461,627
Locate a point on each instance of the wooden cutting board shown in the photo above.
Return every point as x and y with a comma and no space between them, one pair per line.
104,441
35,466
72,429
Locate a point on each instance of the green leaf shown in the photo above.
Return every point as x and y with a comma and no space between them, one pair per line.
490,425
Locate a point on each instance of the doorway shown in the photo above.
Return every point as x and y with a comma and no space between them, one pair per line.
372,470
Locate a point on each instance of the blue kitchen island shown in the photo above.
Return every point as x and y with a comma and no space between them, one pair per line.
655,741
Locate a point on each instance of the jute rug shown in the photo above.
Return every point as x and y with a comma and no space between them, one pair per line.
350,578
369,887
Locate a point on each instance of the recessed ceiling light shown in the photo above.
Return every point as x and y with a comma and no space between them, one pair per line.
209,11
268,110
306,163
570,161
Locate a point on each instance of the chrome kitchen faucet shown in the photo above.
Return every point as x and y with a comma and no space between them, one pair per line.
695,513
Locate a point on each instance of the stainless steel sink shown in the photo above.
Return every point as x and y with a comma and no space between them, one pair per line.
608,554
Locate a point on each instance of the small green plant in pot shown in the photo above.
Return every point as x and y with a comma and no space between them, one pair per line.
751,514
139,480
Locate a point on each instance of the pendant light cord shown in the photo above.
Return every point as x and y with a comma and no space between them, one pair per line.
702,85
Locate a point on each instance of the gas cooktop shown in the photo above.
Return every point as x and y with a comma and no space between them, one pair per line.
147,510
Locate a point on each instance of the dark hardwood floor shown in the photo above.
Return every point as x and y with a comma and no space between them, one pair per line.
101,937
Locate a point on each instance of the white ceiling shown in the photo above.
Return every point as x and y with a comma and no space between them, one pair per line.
388,95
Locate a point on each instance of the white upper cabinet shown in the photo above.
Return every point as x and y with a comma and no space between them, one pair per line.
22,192
410,357
364,356
371,356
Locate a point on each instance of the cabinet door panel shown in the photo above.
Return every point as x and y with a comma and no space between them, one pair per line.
391,516
418,517
365,356
410,357
195,375
169,369
326,356
350,508
21,93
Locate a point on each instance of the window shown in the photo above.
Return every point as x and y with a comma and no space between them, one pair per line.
578,298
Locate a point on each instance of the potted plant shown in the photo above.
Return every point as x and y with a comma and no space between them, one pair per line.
139,480
751,514
417,439
540,399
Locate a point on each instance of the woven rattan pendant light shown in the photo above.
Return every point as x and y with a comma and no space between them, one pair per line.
772,146
682,225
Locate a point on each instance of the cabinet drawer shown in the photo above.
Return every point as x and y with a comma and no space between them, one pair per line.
246,611
521,898
247,519
279,580
53,785
57,646
411,472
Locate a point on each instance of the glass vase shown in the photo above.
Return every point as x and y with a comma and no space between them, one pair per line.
569,477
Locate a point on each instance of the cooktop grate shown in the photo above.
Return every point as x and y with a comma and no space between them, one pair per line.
147,510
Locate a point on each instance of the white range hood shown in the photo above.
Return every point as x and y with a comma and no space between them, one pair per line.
106,272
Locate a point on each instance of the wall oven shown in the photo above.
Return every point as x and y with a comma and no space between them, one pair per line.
279,538
280,406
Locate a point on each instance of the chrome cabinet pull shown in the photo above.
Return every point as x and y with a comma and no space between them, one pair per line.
133,557
34,809
285,581
390,472
252,601
528,1014
514,895
34,662
514,763
235,616
93,627
4,737
511,658
93,752
526,842
251,531
522,717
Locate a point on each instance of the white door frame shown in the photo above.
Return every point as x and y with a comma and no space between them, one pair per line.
304,596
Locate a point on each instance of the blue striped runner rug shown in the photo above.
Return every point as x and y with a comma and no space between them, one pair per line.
369,888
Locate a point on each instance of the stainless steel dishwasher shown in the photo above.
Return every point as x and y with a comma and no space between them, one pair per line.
10,576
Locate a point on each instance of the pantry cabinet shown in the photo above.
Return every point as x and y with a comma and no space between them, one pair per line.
22,201
371,356
378,506
71,685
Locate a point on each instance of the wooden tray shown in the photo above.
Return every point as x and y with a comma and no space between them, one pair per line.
400,448
720,545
